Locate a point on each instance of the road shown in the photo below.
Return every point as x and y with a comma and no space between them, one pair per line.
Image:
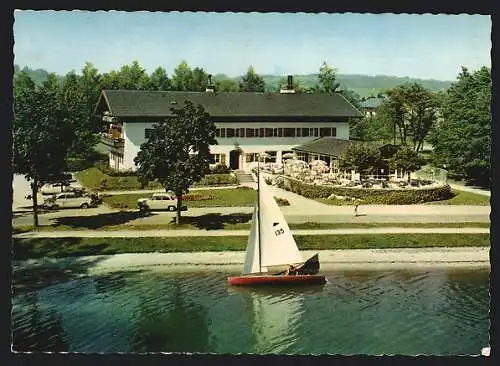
300,210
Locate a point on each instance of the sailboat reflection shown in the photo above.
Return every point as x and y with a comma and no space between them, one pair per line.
274,316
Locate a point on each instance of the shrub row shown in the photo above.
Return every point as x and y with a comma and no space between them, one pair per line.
220,169
375,196
217,179
281,201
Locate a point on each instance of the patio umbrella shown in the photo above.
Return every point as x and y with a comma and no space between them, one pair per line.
288,155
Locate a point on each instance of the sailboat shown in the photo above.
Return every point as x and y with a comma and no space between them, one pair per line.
271,244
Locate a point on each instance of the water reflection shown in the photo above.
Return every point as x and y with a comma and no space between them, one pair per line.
274,316
391,312
170,320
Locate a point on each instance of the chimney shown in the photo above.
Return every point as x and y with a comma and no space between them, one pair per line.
210,88
288,88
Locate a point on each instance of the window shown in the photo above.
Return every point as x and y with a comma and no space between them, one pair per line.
251,157
242,132
277,132
289,132
334,131
298,133
217,159
262,132
148,132
269,132
325,131
230,132
222,132
250,132
272,157
217,132
305,132
313,132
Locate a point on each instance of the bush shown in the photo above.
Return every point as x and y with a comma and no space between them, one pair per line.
281,201
220,169
374,196
217,179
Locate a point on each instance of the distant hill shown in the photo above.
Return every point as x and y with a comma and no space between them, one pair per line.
364,85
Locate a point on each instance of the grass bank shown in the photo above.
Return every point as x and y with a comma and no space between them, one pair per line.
231,197
68,247
95,179
458,198
246,226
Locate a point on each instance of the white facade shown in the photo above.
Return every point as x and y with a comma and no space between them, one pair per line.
237,152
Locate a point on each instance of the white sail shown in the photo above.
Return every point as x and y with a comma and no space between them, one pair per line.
252,254
277,244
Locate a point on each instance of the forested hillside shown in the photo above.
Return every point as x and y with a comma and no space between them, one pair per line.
364,85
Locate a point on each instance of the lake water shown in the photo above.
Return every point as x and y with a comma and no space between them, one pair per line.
438,311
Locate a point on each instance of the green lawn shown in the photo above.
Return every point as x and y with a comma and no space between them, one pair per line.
246,226
230,197
94,179
464,198
67,247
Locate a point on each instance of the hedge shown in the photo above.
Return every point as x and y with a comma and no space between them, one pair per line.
217,179
374,196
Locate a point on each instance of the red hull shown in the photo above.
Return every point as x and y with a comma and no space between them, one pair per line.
276,280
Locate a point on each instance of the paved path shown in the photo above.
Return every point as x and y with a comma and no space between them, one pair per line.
185,233
461,187
329,214
334,259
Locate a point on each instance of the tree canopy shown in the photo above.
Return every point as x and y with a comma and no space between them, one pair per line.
362,157
462,138
407,160
251,82
413,111
43,131
177,152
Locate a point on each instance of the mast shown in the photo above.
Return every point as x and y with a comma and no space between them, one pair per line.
258,211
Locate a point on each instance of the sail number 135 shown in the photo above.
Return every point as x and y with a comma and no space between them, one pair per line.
279,232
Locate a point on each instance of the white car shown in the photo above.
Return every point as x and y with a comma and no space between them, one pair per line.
159,201
68,200
55,188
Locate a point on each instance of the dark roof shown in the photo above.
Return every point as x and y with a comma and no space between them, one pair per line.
140,103
372,102
326,145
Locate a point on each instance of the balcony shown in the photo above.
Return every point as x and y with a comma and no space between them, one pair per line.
113,141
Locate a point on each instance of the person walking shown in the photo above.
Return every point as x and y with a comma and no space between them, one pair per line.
356,210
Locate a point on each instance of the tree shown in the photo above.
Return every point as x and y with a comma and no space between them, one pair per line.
407,160
158,80
182,78
177,152
327,78
462,138
251,82
90,83
226,85
362,157
41,134
412,110
75,105
133,77
199,80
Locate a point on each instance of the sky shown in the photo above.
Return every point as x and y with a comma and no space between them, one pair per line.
419,46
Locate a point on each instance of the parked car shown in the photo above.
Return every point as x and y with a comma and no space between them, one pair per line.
69,200
159,201
71,185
